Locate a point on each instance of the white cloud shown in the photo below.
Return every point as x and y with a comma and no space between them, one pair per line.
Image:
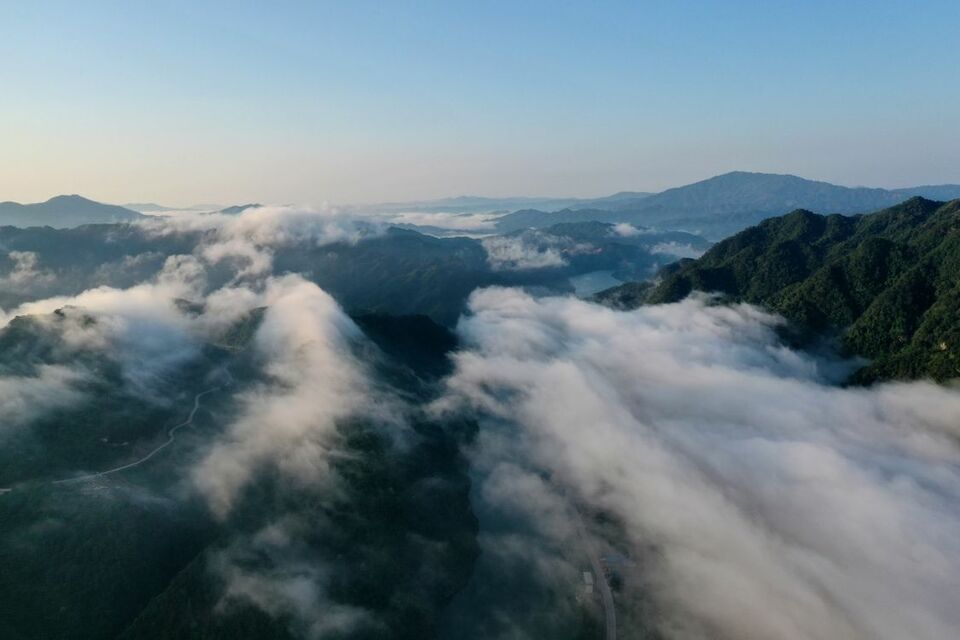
286,426
625,230
26,273
524,251
679,249
253,235
23,398
451,221
291,586
141,327
305,343
779,506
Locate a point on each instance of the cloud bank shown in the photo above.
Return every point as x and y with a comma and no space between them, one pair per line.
760,500
679,249
141,327
250,237
26,272
528,250
625,230
467,222
23,398
313,380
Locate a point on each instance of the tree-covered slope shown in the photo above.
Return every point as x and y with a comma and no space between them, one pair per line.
135,554
889,282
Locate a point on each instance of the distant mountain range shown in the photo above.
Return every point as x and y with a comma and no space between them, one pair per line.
64,212
715,208
147,207
153,207
725,204
468,204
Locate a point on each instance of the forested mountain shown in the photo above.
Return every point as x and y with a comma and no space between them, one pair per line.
137,566
247,425
63,211
396,271
888,282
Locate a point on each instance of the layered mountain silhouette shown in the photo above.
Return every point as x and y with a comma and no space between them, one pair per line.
716,207
728,203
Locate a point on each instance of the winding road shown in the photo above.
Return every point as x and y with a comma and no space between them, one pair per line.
606,596
171,436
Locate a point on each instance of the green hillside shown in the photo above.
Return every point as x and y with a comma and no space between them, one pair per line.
887,282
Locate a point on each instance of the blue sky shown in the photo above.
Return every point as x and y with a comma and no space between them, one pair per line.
356,101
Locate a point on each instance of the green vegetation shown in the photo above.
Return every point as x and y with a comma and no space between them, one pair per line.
887,283
399,272
134,554
398,540
78,561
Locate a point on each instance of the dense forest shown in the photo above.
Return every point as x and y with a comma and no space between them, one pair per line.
887,284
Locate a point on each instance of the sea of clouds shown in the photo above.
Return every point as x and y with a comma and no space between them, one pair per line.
759,499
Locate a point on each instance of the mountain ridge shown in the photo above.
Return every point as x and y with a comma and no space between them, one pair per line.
732,201
887,284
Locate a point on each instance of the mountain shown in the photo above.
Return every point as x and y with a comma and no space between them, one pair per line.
64,212
147,207
240,208
535,218
134,556
888,283
942,192
469,204
619,199
400,272
730,202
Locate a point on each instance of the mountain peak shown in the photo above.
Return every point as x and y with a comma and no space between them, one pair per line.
64,211
72,198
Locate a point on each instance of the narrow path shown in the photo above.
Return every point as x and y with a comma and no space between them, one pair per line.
606,596
171,436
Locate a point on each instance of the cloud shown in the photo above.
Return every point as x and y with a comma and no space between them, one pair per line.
310,378
181,277
530,250
288,582
140,327
285,431
127,266
26,273
23,398
679,249
762,500
251,237
313,380
451,221
625,230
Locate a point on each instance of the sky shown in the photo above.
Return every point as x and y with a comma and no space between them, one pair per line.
314,102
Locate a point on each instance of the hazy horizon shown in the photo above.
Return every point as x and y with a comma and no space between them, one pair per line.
209,202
